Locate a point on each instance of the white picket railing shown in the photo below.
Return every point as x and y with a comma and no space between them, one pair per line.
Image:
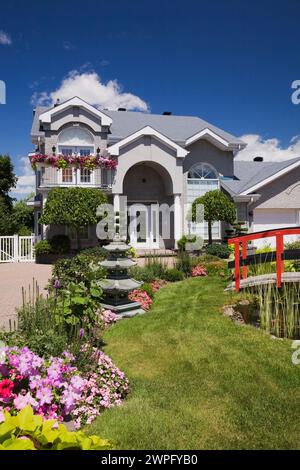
17,249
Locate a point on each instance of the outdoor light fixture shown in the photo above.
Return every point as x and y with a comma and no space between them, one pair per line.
98,150
53,149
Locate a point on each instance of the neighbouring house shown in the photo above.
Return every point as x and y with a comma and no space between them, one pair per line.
154,160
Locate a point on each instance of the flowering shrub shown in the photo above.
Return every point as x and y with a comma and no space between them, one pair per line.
108,318
158,284
142,297
103,388
55,389
63,161
199,271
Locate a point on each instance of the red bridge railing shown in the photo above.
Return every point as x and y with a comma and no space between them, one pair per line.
242,260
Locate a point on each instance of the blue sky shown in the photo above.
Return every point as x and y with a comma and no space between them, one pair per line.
231,62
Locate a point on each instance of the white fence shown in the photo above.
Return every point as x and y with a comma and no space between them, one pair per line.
17,249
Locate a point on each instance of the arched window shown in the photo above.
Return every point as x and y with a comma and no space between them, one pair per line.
75,140
203,171
202,178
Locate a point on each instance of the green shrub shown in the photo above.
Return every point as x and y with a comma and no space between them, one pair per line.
155,268
80,268
174,275
207,258
219,249
42,247
214,267
183,263
97,253
49,325
60,244
27,431
182,242
292,245
146,287
24,231
77,305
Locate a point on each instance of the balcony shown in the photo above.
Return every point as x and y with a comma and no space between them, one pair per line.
49,176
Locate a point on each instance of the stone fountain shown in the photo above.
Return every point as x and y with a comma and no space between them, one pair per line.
118,284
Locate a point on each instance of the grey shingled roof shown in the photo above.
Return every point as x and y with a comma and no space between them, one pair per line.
125,123
248,174
176,128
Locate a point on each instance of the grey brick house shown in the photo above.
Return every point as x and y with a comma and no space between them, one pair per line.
161,159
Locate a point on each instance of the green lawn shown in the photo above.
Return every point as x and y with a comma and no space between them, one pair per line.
198,381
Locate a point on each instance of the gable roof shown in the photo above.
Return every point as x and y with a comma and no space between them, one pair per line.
250,176
125,123
47,115
147,131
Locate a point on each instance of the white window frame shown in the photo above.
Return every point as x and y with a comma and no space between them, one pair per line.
204,179
75,149
76,178
84,183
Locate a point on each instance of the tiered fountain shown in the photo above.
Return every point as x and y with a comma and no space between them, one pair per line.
118,284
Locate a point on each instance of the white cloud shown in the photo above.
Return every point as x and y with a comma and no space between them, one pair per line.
26,179
68,46
5,39
269,149
89,87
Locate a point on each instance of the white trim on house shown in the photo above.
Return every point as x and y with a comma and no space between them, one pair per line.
76,178
214,138
271,178
46,117
147,131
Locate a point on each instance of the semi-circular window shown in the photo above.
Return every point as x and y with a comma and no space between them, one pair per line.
75,140
203,171
202,178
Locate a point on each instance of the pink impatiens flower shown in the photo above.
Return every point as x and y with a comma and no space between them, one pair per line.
199,271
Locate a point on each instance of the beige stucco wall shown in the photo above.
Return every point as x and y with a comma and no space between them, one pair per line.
149,149
68,117
282,193
204,151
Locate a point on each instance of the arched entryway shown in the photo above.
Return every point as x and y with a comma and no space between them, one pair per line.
149,191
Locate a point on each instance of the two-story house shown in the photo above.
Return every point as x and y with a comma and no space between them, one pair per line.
161,159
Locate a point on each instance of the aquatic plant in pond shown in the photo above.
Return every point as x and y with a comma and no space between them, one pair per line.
279,309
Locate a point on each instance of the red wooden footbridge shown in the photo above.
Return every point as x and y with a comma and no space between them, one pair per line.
242,259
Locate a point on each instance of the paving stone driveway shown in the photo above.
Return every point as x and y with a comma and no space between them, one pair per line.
14,276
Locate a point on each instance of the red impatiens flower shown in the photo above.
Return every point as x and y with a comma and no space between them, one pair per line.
6,387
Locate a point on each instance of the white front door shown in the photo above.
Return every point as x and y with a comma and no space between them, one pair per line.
144,226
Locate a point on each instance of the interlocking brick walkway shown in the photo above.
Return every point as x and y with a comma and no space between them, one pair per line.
14,276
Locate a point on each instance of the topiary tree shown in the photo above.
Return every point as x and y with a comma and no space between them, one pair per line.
217,207
73,207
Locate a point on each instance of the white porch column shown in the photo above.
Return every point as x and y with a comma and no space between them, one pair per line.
44,227
177,218
116,202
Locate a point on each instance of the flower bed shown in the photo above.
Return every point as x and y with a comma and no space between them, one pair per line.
142,297
199,271
63,161
55,388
